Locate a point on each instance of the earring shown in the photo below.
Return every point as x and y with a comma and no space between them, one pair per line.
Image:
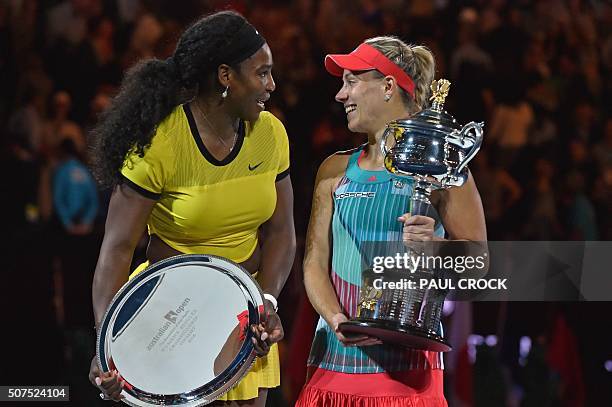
387,98
224,94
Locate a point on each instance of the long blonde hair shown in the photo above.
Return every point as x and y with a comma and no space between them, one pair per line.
416,60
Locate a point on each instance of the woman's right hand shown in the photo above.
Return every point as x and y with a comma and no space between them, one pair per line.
109,383
269,332
353,340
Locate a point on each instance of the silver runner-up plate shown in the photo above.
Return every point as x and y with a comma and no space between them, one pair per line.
178,333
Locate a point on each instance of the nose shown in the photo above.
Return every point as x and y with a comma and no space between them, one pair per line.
342,95
270,85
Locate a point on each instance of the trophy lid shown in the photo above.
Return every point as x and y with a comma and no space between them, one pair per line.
434,118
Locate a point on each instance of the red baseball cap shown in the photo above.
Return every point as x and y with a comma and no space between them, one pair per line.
366,58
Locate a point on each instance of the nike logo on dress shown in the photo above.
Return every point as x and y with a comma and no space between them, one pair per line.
252,168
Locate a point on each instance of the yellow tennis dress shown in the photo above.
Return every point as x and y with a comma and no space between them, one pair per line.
207,206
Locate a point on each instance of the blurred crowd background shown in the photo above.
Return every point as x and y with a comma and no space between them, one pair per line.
538,73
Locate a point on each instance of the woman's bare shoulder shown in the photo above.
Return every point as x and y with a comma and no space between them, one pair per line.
335,165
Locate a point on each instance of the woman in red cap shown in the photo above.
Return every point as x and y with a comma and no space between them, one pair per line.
355,201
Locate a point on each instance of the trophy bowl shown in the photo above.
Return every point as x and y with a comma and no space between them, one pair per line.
432,149
431,146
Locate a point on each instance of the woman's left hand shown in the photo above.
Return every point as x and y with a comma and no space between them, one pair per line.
417,228
268,332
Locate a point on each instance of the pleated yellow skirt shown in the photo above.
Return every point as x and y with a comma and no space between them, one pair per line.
265,372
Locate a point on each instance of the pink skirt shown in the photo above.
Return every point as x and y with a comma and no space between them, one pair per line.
411,388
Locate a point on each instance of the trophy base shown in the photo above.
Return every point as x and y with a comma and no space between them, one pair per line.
396,333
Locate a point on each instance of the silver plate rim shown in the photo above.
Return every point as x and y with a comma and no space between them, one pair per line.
158,267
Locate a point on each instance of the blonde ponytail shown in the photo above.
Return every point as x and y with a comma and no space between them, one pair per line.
416,60
425,67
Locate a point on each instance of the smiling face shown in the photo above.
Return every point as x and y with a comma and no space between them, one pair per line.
252,84
362,95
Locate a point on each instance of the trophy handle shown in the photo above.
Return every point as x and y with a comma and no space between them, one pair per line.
383,141
477,127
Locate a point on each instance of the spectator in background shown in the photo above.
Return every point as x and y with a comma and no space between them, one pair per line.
6,64
74,248
506,42
544,133
602,197
471,69
75,197
129,10
24,35
16,157
59,127
143,41
499,192
584,122
26,124
542,220
100,102
67,21
580,212
602,151
510,122
578,158
100,51
95,64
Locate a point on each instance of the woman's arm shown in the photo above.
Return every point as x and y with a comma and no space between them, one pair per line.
128,212
126,220
318,246
318,285
461,212
277,254
278,242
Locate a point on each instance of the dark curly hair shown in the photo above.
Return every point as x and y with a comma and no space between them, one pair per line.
153,88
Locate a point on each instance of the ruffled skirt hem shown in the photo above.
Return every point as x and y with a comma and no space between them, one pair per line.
313,397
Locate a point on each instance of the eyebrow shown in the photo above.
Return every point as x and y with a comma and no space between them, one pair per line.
266,66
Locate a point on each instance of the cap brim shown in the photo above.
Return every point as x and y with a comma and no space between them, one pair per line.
337,63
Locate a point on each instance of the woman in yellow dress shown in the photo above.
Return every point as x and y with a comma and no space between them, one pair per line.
208,175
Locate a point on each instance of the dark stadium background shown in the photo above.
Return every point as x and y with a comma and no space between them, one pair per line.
538,73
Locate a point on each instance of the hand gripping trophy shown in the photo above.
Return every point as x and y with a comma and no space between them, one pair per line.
432,150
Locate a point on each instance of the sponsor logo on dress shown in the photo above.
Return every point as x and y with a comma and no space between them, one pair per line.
346,195
400,187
